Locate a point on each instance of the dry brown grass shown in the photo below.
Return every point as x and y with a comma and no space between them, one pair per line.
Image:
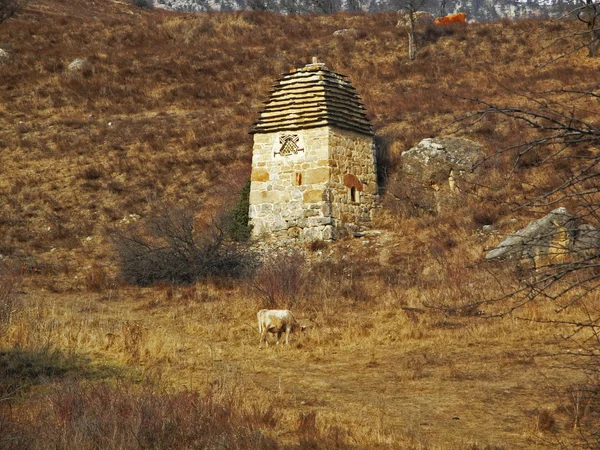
390,359
164,108
373,373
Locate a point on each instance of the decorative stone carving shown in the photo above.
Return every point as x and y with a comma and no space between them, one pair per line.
289,144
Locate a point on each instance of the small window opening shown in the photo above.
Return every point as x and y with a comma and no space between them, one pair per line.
354,195
298,179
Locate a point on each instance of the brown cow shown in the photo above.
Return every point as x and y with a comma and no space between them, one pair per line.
452,18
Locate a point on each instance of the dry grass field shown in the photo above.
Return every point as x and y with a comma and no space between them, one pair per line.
389,360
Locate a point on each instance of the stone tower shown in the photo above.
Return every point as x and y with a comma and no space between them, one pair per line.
313,162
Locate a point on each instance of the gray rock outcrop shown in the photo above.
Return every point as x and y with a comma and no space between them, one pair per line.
558,233
4,56
78,64
440,160
347,32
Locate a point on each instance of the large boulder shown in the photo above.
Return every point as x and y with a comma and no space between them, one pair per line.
432,172
440,160
556,234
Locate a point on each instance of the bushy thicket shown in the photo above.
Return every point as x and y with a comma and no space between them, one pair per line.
172,246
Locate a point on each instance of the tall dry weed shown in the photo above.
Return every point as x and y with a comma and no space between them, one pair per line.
10,282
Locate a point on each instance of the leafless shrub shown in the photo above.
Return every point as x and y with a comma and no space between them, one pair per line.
9,8
97,279
328,280
316,245
282,279
544,420
307,423
581,404
558,126
171,246
560,133
488,216
91,173
133,336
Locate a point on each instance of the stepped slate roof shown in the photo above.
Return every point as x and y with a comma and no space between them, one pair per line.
310,97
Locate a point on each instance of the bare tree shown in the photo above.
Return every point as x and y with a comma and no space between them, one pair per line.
323,6
589,13
565,142
442,8
354,6
9,8
262,5
410,22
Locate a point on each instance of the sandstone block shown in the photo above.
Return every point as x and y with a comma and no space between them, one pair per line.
257,197
316,176
316,221
313,196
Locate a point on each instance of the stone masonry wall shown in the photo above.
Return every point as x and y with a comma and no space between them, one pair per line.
353,168
289,194
307,195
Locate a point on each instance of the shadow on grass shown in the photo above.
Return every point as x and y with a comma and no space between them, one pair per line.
22,369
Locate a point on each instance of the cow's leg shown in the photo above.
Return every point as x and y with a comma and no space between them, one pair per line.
279,336
263,337
287,335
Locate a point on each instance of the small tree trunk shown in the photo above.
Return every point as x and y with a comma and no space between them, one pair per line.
588,14
594,42
442,8
412,46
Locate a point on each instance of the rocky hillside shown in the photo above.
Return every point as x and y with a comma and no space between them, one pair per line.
162,104
479,10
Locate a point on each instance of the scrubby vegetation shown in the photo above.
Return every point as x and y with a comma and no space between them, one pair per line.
171,246
99,341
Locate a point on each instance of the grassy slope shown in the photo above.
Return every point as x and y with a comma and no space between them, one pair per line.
163,113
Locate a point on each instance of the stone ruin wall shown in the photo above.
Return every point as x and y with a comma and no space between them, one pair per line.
307,195
289,193
353,166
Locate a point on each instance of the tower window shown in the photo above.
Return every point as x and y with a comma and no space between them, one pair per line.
354,195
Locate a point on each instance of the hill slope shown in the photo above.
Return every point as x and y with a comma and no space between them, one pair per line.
161,114
164,108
